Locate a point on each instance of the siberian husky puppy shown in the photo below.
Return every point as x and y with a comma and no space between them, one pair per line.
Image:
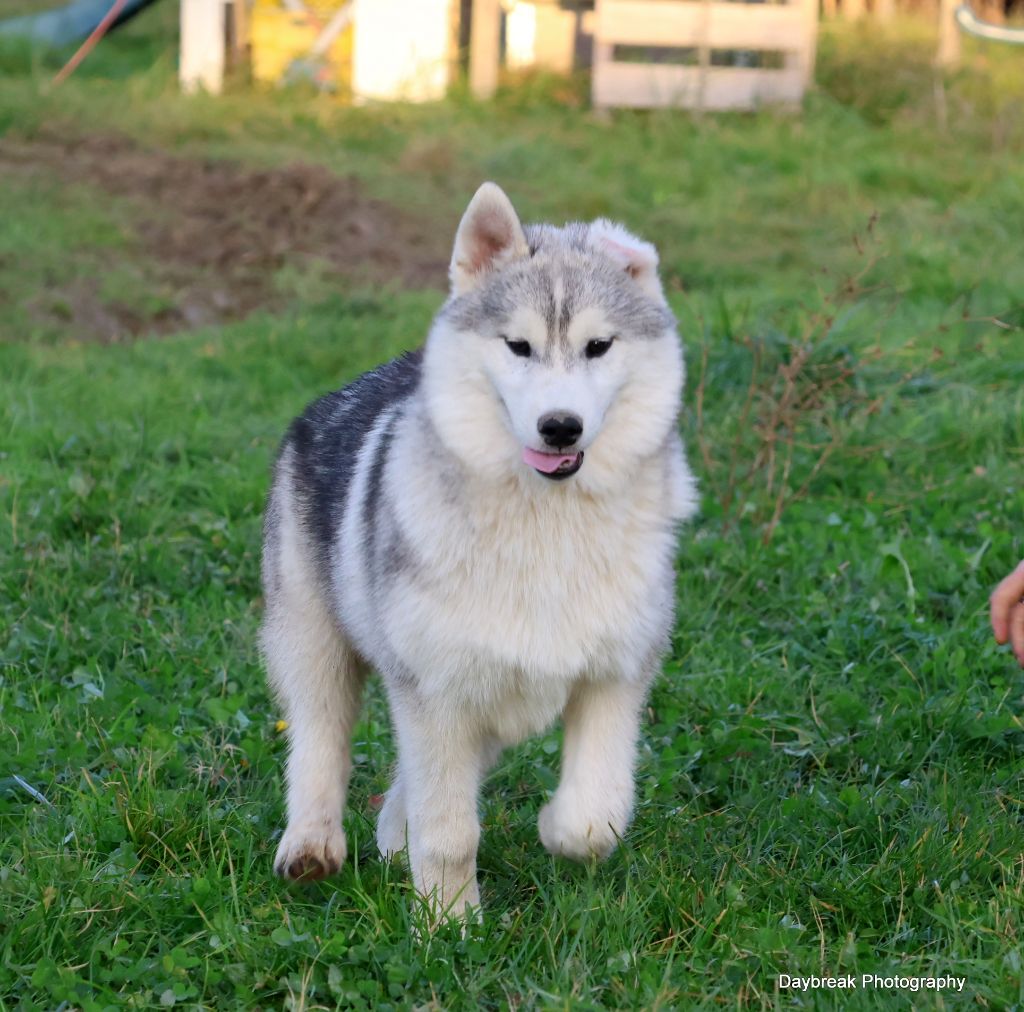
491,524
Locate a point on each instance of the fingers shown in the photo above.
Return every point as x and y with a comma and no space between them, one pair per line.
1017,632
1004,600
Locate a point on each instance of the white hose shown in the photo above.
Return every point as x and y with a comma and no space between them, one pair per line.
973,25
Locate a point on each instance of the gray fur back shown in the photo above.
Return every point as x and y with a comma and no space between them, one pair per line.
324,444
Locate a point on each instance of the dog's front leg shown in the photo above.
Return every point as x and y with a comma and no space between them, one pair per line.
440,767
594,801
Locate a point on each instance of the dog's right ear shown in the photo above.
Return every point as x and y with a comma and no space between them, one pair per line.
489,237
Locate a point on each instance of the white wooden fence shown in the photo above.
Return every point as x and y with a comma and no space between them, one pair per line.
702,54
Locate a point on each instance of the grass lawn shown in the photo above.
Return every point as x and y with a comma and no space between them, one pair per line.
831,774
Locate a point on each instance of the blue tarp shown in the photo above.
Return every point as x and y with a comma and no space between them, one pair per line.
68,24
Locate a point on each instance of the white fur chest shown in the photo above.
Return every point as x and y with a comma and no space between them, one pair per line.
519,591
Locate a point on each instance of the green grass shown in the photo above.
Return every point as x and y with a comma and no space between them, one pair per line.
831,774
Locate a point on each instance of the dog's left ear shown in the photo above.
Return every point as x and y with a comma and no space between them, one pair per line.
489,237
637,258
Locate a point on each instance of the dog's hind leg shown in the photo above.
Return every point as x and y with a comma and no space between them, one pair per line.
318,679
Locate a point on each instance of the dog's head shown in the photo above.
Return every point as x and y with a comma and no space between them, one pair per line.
556,353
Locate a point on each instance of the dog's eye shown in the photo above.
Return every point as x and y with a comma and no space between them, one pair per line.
520,348
597,348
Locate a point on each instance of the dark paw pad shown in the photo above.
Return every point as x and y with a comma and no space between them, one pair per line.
307,868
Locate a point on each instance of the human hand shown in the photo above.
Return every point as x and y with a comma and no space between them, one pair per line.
1007,611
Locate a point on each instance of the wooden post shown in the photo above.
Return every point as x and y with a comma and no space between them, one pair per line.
809,43
949,35
602,58
239,33
402,50
884,10
484,48
555,48
703,54
203,35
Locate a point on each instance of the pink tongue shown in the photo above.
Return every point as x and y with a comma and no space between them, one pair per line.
546,462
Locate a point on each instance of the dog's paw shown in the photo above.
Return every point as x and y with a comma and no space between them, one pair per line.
310,852
579,831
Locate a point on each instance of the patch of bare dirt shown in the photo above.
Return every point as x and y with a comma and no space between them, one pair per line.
213,234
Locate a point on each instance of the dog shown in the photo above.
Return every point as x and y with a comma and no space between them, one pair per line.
490,523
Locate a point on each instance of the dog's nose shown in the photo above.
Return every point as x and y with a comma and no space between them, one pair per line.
560,429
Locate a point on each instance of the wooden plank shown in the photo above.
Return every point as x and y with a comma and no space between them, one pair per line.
645,86
729,25
745,26
660,85
647,22
747,88
484,47
203,38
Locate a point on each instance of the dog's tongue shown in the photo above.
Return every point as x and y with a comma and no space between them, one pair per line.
546,462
